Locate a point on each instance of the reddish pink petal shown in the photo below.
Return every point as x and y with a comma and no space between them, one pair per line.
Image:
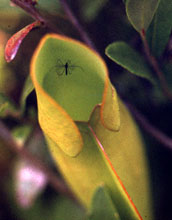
14,42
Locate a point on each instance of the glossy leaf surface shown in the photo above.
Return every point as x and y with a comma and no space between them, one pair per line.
140,13
124,55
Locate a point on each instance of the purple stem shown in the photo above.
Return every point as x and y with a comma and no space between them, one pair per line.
56,182
35,14
149,128
153,62
76,24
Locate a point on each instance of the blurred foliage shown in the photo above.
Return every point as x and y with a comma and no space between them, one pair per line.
106,23
90,9
102,206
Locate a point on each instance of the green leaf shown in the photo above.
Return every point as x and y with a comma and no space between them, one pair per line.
90,9
59,208
162,26
52,7
10,16
27,89
167,69
7,107
59,78
21,133
50,73
124,55
91,168
87,151
66,209
102,206
140,13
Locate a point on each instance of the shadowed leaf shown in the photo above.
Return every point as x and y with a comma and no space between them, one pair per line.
162,27
7,107
90,9
141,12
124,55
27,89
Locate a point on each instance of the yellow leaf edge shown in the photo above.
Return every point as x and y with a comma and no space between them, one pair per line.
57,106
107,87
43,93
70,120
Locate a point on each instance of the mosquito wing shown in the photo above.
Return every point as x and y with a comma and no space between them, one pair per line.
72,67
57,70
59,63
60,67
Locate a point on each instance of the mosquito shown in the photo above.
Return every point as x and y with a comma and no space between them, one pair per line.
64,68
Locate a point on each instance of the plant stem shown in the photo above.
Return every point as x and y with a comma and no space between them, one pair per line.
149,128
35,14
155,66
56,182
76,24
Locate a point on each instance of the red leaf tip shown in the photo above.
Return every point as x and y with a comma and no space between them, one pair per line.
15,41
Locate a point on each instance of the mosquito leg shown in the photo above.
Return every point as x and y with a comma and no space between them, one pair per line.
75,66
60,72
59,63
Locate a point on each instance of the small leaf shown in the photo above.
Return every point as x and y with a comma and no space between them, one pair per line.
162,27
27,89
141,12
102,206
15,41
124,55
21,134
90,9
7,107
